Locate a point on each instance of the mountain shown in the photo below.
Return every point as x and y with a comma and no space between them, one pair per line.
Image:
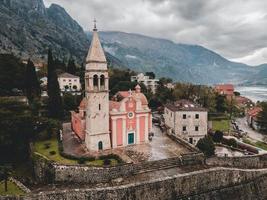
28,29
260,78
181,62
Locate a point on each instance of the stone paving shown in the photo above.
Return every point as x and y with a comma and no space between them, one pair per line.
161,147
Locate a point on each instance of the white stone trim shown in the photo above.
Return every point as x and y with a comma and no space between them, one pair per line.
114,133
137,129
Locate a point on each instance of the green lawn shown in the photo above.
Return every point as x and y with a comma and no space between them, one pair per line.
45,147
12,189
258,144
221,125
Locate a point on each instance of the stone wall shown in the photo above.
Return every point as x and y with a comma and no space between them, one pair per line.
47,172
216,183
87,174
183,142
254,161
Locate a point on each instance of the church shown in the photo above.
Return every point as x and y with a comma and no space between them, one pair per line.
106,124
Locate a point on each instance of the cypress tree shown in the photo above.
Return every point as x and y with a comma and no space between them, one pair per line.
55,102
71,68
50,70
31,83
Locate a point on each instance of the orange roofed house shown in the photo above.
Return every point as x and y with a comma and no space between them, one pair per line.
252,117
225,89
103,124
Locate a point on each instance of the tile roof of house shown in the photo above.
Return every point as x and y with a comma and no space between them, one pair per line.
184,105
253,112
67,75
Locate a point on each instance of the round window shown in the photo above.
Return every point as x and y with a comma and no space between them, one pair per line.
130,115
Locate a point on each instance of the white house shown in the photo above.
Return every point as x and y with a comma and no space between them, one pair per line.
69,83
187,120
149,83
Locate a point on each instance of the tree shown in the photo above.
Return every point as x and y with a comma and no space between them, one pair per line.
151,75
31,83
206,145
262,118
17,130
5,172
218,136
50,71
221,105
11,74
71,68
55,108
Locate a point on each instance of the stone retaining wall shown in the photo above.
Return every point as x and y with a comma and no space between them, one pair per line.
183,142
253,161
180,186
54,172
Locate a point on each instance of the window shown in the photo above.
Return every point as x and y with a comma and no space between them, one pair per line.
69,80
75,80
197,116
64,80
95,82
171,114
99,106
184,128
184,116
102,81
196,128
100,145
130,115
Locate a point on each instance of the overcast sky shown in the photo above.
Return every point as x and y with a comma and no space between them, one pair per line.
236,29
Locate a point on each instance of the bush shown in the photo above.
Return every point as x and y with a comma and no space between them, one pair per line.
81,160
230,142
107,162
47,145
217,136
206,145
52,152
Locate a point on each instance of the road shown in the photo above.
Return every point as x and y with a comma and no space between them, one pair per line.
242,123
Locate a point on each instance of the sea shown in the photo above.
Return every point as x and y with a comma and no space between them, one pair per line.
255,93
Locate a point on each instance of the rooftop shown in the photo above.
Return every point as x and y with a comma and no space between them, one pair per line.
184,105
67,75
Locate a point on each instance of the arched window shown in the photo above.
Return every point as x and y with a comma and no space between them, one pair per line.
100,145
95,82
102,82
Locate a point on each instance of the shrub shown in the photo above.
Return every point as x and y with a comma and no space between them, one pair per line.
47,145
206,145
230,142
81,160
107,162
52,152
218,136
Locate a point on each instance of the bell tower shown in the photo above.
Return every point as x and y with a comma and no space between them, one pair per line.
97,136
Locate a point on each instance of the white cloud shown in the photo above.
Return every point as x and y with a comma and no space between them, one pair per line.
256,58
234,29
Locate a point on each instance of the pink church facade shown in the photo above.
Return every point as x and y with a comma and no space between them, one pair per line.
104,124
130,119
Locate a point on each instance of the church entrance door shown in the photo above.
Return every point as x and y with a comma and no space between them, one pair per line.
131,138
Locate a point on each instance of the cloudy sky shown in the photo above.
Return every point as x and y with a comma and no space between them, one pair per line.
236,29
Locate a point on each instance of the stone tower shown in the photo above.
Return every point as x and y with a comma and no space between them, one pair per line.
97,136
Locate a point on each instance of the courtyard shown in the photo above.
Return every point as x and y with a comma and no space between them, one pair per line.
160,147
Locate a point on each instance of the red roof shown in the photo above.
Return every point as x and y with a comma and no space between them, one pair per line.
253,112
227,89
114,105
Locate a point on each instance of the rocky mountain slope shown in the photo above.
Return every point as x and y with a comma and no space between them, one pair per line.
28,29
182,62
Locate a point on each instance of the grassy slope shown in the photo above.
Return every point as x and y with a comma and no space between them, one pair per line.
12,189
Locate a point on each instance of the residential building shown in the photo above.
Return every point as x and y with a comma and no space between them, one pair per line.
225,89
187,120
252,117
69,83
103,124
147,81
